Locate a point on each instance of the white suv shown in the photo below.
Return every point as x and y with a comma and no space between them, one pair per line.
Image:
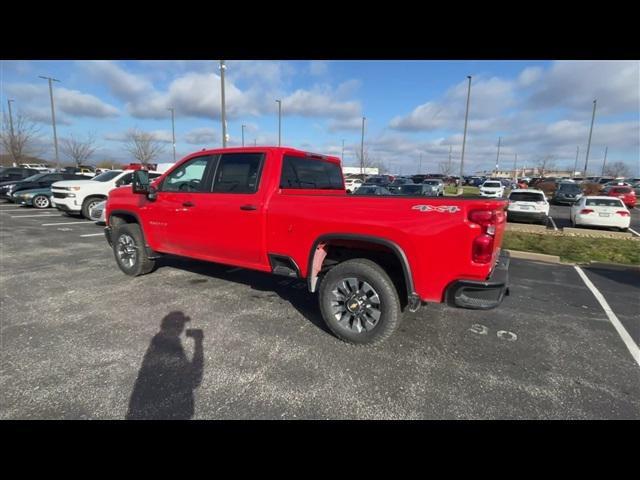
78,197
492,188
528,205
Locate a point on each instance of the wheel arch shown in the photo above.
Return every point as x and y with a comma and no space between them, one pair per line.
362,240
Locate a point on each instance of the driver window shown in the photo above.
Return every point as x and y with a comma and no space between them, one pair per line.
188,177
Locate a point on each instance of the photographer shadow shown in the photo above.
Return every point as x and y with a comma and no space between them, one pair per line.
167,378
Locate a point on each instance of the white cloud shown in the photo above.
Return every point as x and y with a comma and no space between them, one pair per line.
318,67
124,85
202,136
575,84
319,102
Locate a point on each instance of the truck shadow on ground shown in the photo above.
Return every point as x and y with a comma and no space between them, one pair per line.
291,290
167,378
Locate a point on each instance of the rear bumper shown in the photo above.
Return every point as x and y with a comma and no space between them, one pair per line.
482,295
526,216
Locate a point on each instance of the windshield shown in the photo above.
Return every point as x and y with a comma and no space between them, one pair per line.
411,189
35,177
431,182
106,176
603,202
526,197
492,184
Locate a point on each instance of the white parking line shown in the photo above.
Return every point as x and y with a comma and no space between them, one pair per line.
634,232
92,234
626,338
553,223
41,215
18,210
80,222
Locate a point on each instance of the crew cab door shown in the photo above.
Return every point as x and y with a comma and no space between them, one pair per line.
230,217
173,221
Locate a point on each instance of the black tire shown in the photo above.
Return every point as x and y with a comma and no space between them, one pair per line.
363,270
129,237
623,229
88,204
41,201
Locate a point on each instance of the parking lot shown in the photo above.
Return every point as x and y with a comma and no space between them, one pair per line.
75,331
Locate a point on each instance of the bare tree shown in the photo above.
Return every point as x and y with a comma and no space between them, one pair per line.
78,150
617,169
546,164
142,146
19,141
447,168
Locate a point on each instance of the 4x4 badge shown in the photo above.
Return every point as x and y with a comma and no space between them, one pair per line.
439,208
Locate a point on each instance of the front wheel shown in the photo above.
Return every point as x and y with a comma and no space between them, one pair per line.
128,248
41,201
359,302
88,204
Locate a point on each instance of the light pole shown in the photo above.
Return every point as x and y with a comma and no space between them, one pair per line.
53,117
605,159
12,139
10,117
575,165
420,164
279,102
243,135
173,132
342,156
362,149
223,67
515,162
449,168
498,156
586,160
255,142
464,136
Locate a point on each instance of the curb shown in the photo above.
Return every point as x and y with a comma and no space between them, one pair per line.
540,257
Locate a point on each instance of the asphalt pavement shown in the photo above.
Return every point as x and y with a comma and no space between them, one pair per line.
79,341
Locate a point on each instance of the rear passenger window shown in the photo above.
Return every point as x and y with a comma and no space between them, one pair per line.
238,173
309,173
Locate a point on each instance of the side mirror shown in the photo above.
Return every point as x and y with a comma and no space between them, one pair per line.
140,182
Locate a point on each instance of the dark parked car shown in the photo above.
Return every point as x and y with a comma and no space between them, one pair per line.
13,174
368,189
39,180
423,189
399,182
382,180
568,193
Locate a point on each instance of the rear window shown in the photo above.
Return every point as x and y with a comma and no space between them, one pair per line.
569,187
298,172
603,202
492,184
526,197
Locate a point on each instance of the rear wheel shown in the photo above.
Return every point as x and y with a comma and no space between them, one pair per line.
41,201
128,248
359,302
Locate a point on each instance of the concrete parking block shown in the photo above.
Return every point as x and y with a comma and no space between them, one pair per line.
539,257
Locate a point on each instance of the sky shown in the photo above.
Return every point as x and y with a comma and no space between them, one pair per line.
412,108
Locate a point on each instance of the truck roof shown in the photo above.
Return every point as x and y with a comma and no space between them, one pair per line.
284,150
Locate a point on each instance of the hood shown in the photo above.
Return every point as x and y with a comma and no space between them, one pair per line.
74,183
35,191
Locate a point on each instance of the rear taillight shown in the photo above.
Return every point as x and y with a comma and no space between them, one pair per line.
584,211
482,247
624,213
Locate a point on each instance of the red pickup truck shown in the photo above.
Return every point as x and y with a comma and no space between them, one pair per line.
286,211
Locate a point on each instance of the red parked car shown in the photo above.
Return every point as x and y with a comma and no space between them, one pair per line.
286,211
626,194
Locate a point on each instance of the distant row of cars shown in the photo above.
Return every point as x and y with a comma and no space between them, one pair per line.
389,185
